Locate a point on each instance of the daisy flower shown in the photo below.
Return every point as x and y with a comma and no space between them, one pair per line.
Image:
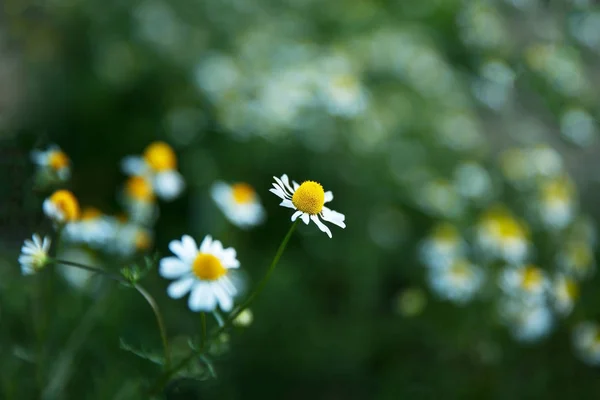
500,235
93,228
309,201
239,202
586,340
527,322
557,205
34,254
62,207
138,198
529,283
442,246
53,160
458,283
576,257
131,238
159,164
565,292
205,272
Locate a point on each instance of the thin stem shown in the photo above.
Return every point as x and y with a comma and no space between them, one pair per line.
159,321
232,316
108,274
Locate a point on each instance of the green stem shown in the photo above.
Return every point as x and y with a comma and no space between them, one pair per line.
261,285
147,296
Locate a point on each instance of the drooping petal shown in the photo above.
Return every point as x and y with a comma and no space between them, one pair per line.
224,299
288,204
202,298
321,225
328,196
278,192
168,185
334,217
172,267
180,288
286,182
296,215
306,218
287,191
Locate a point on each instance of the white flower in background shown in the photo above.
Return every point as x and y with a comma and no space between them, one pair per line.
442,247
139,201
500,236
244,319
61,207
239,202
529,283
565,292
586,341
556,207
523,166
131,239
576,258
309,201
459,282
578,127
472,181
495,86
159,165
343,94
440,198
527,322
34,254
93,228
54,161
205,272
216,75
78,278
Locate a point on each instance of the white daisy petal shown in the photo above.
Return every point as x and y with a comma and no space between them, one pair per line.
283,187
168,185
180,251
334,217
321,225
133,165
220,192
180,288
328,196
286,182
306,218
172,267
288,204
296,215
296,185
189,245
229,286
224,299
206,244
202,298
279,193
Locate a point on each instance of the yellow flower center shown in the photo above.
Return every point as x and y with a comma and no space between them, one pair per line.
142,241
242,193
446,233
572,289
66,202
58,160
558,190
309,198
508,228
208,267
461,270
160,156
139,188
90,213
532,278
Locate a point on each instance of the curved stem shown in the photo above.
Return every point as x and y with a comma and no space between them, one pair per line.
159,321
100,271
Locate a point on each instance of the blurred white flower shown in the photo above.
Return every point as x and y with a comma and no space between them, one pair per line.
244,319
308,199
500,236
79,278
34,254
565,292
472,181
216,75
578,127
442,247
205,272
576,258
139,200
529,283
528,322
459,282
159,165
494,87
440,198
556,205
131,239
93,228
343,94
239,202
61,207
53,161
586,341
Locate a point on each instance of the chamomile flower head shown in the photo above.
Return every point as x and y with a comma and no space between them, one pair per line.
34,254
131,239
308,199
62,207
442,247
586,340
53,161
239,202
499,235
529,283
139,200
576,258
565,292
528,322
556,206
92,228
459,282
206,272
159,165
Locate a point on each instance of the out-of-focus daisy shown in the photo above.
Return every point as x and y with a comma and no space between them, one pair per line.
309,201
527,322
132,238
159,164
78,278
343,94
93,228
138,198
458,283
442,246
244,319
565,292
62,207
34,254
205,272
53,161
530,283
239,202
586,340
439,197
523,166
576,258
500,235
556,206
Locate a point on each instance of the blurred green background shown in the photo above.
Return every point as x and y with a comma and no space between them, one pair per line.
381,102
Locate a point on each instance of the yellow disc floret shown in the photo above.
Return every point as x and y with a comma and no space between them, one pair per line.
143,241
242,193
160,156
58,160
90,213
66,203
532,277
139,188
208,267
309,197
